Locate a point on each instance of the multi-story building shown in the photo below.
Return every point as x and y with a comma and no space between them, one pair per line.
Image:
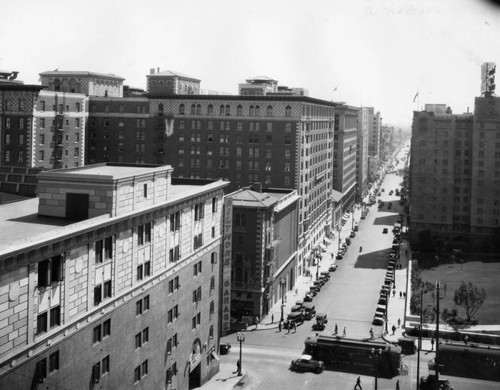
362,173
374,123
345,153
264,249
455,175
280,141
171,83
110,279
17,101
59,130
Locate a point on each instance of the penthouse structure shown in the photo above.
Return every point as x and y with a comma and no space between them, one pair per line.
115,266
455,176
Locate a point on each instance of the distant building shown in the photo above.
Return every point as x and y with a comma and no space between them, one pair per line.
110,280
17,101
454,177
435,108
264,249
171,83
362,172
345,153
258,86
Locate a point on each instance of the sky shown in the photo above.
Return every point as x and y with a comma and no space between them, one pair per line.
375,53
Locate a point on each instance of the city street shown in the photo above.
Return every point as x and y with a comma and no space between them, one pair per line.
349,298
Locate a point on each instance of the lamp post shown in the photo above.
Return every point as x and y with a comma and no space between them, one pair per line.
419,344
375,354
240,336
282,288
339,235
317,269
352,219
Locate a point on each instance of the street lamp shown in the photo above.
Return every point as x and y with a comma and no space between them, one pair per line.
352,225
282,288
375,354
240,336
339,235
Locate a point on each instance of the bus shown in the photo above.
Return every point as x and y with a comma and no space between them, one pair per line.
362,357
478,361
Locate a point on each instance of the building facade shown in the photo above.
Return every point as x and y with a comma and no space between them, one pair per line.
117,284
16,120
455,176
82,82
362,173
264,250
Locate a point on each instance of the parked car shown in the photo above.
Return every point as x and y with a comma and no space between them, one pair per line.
310,311
356,228
385,231
321,321
306,363
377,321
339,256
308,297
348,241
353,234
224,348
333,268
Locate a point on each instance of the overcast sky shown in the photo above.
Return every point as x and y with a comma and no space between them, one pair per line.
375,52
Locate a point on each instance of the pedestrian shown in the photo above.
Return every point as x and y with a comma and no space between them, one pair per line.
289,325
358,384
393,293
294,327
393,329
336,329
256,322
399,322
279,326
404,294
238,366
397,384
432,344
332,255
466,339
400,294
406,251
272,318
343,332
371,333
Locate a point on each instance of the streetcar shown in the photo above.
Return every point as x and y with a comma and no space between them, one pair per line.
470,360
362,357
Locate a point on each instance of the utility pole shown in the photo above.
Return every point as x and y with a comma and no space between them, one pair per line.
436,359
419,343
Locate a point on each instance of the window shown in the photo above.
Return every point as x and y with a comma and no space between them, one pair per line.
102,292
144,233
105,365
173,314
175,221
97,334
171,344
142,306
288,111
42,105
41,323
77,107
269,111
50,271
181,109
196,321
197,269
104,249
198,241
173,285
214,205
199,211
142,338
212,283
55,316
106,328
174,254
41,370
54,361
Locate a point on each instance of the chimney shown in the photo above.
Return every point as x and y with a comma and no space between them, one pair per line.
257,187
151,70
158,70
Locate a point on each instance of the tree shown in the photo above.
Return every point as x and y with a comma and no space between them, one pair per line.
470,298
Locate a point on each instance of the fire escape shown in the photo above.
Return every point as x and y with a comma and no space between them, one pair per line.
58,134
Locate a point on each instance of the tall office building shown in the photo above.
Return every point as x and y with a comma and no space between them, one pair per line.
110,279
362,173
455,175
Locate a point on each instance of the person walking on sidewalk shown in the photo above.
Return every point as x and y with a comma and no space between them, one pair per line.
343,332
393,329
279,326
399,322
358,384
336,329
294,327
272,318
432,344
371,333
397,384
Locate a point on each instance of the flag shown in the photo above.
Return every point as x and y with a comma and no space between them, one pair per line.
415,98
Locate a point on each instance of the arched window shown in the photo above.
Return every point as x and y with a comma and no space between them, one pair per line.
57,85
257,110
210,109
228,110
239,110
251,111
288,111
198,109
221,111
181,109
193,109
269,110
160,108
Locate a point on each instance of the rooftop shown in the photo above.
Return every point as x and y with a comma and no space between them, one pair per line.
58,72
249,198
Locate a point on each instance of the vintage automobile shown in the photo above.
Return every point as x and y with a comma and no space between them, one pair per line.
339,256
306,363
308,297
224,348
333,268
385,231
321,321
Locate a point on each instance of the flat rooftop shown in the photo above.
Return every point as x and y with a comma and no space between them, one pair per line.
21,225
114,171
